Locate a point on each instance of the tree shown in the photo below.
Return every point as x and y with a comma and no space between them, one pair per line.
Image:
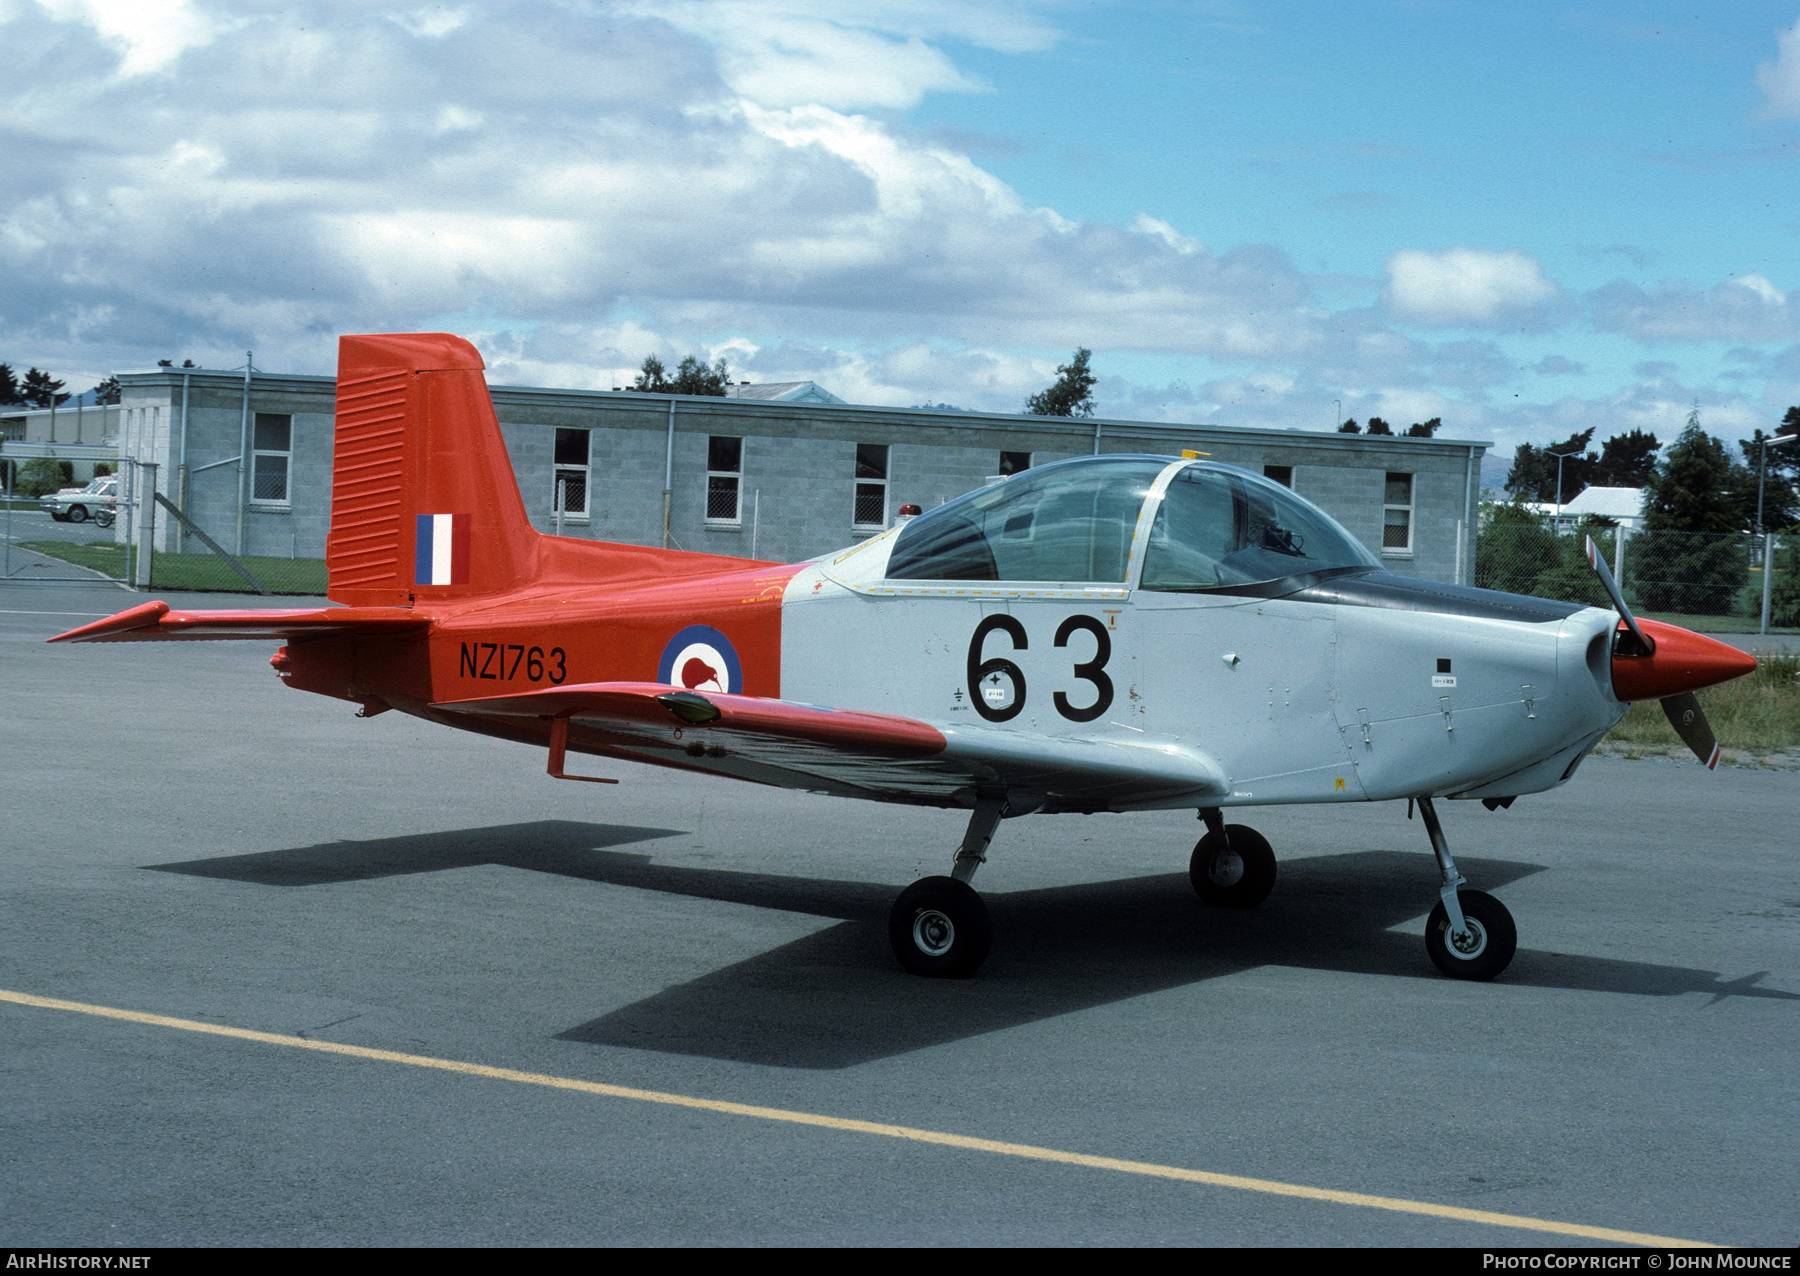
694,377
9,387
1534,470
691,377
1424,429
1073,393
1626,460
1779,506
1697,489
1378,426
650,377
107,391
1350,427
1515,547
41,390
1693,489
1784,602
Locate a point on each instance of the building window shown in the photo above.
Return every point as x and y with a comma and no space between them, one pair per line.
1397,515
1014,463
871,485
724,479
571,473
1282,474
272,449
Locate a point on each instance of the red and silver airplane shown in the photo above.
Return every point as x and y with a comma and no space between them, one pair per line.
1112,633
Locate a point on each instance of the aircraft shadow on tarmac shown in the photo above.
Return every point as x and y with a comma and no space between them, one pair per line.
836,998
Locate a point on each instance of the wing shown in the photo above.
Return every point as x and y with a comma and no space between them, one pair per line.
155,621
869,755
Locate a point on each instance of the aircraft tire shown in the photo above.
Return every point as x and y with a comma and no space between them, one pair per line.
1496,938
939,927
1239,878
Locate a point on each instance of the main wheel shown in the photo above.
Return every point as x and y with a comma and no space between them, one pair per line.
939,926
1486,950
1240,877
78,513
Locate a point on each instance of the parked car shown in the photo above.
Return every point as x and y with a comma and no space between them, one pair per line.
78,504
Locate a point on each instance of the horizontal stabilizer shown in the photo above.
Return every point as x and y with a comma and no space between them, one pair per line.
157,622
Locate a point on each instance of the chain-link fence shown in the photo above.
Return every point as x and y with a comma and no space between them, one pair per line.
150,542
1722,582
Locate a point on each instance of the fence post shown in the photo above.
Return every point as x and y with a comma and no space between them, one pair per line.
1619,555
146,554
1768,577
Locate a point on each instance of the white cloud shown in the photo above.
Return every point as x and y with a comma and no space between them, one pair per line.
1465,285
1747,308
786,53
1780,80
578,187
1765,291
150,34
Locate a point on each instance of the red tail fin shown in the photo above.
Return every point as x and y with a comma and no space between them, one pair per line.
423,500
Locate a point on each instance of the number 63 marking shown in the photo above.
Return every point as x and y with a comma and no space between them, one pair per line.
1092,671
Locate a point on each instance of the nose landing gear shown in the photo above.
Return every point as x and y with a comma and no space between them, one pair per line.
1470,934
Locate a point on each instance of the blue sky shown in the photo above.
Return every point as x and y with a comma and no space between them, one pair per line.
1524,219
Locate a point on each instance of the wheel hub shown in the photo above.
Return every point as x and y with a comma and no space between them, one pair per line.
933,932
1226,869
1468,944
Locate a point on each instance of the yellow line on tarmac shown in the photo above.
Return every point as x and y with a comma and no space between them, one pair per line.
1027,1151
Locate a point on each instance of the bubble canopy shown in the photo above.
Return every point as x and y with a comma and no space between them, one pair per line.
1215,527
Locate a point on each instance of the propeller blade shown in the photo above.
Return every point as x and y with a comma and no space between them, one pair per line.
1645,646
1690,723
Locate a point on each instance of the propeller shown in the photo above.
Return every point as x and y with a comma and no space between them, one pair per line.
1690,723
1653,661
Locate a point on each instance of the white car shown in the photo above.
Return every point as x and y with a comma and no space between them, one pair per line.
78,504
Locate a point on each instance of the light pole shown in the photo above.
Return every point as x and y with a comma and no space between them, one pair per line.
1560,458
1762,470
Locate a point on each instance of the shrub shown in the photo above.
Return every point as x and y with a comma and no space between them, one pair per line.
42,476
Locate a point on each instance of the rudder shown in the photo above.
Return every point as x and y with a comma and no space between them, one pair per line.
424,504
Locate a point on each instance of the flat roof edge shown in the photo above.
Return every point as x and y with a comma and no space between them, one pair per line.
1083,426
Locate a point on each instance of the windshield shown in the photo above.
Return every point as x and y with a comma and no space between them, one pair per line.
1220,527
1069,521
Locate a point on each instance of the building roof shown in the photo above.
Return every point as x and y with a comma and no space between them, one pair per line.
1609,502
786,392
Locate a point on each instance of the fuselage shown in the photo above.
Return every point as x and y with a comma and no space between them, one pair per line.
1312,697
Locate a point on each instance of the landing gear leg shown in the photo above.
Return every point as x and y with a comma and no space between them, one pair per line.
1470,934
1233,866
939,926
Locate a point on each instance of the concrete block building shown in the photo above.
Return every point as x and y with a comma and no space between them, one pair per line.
781,477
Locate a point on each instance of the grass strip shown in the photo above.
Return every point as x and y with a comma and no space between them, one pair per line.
201,573
1760,711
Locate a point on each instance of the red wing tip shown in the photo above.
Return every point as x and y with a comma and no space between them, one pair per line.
143,616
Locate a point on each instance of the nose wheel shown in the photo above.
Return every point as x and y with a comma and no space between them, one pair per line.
1485,945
